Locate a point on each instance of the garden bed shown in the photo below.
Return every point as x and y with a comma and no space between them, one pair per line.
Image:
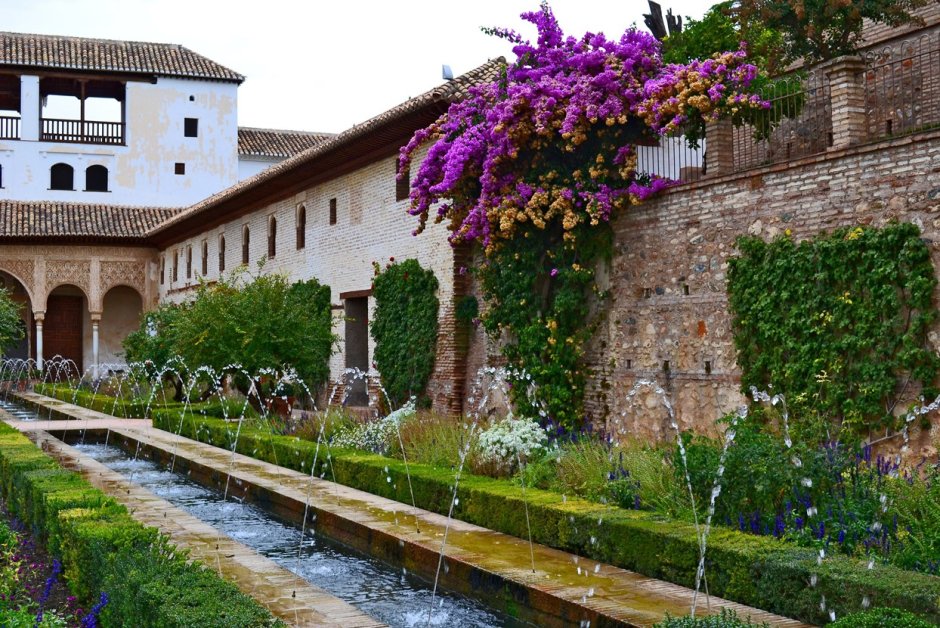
758,571
105,551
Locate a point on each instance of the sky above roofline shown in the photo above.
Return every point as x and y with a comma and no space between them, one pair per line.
325,66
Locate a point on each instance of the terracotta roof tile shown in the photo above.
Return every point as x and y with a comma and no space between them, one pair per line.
30,219
448,92
106,55
254,142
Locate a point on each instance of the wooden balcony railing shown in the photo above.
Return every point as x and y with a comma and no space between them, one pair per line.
82,131
9,128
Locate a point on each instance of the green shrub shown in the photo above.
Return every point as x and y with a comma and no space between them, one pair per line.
881,618
726,619
404,327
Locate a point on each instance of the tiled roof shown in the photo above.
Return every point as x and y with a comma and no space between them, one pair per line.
448,92
106,55
254,142
33,219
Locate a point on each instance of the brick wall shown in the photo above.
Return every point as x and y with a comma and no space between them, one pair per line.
671,255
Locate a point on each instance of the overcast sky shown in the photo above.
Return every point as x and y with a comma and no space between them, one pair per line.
324,66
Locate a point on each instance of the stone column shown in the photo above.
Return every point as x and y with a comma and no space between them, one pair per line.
847,94
39,316
95,321
719,148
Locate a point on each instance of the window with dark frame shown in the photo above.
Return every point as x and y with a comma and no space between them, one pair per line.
332,211
301,227
221,253
179,168
176,260
191,127
272,237
245,238
205,258
96,179
162,270
403,184
62,177
189,262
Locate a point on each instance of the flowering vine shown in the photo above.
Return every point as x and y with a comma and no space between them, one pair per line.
533,165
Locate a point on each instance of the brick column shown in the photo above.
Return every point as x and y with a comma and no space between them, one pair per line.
847,94
719,148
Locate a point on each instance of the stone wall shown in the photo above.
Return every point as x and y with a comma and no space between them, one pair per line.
668,275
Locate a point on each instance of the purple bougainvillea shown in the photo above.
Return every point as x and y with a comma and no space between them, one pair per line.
552,140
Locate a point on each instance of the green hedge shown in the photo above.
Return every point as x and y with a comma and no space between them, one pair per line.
137,408
758,571
124,409
103,548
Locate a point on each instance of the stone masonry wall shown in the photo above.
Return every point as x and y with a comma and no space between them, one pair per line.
668,319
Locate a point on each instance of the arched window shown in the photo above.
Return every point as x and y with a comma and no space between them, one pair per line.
189,262
62,177
205,258
221,253
96,179
301,227
272,236
245,238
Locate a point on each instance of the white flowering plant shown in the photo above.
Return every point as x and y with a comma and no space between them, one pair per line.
375,436
511,440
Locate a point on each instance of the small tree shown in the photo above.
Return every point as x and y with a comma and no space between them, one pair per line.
405,328
722,29
11,325
260,322
154,344
816,30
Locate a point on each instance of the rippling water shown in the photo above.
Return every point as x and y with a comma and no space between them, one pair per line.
392,596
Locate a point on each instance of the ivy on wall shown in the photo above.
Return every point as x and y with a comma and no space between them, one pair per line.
838,324
404,327
539,294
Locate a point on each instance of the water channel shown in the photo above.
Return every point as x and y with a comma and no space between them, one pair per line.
391,596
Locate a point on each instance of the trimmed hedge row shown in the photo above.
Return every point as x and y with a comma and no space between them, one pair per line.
103,548
124,409
757,571
137,408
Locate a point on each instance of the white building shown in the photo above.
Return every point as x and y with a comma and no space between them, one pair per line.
145,184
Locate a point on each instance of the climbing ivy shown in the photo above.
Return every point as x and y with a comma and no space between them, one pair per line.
404,327
838,324
539,294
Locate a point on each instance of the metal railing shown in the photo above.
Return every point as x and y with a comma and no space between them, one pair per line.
82,131
797,124
672,159
902,87
9,128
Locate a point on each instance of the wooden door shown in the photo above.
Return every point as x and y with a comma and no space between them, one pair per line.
62,329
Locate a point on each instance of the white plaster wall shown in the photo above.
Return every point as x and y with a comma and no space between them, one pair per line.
142,172
371,227
250,166
120,316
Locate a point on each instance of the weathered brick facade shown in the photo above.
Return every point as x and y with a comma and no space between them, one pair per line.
668,275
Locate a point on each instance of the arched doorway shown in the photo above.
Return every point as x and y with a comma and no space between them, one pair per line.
65,325
120,315
14,287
